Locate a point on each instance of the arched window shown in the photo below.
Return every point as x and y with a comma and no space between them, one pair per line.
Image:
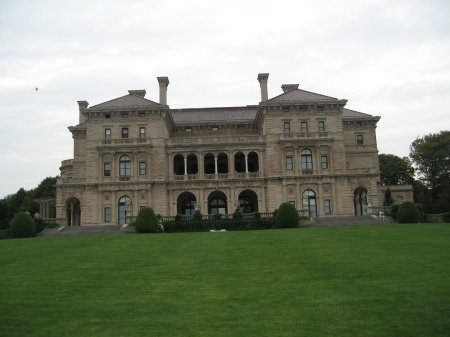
192,164
248,201
239,162
209,165
307,160
125,209
188,206
124,165
217,205
253,165
309,202
178,164
222,163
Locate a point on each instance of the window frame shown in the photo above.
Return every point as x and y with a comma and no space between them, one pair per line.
125,166
327,206
359,140
307,163
142,168
107,214
304,126
321,126
125,133
107,133
287,127
324,164
289,163
142,132
107,171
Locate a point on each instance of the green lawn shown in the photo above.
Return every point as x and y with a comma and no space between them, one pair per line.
386,280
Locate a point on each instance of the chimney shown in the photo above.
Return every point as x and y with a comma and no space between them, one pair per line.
139,93
262,78
163,84
82,105
289,87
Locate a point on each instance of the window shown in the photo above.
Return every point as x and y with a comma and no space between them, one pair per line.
107,169
125,165
289,163
321,126
142,132
124,114
107,214
304,126
327,206
188,129
358,123
141,114
215,128
359,140
285,109
142,168
124,132
292,202
241,127
302,109
306,160
287,127
324,162
320,108
107,133
107,115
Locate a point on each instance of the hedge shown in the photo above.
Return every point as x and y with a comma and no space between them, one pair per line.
227,224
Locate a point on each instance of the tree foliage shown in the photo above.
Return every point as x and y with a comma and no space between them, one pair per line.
395,170
146,221
287,216
408,213
431,156
23,226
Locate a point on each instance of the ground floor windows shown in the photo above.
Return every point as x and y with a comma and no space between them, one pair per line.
217,205
327,206
107,214
309,202
125,208
360,201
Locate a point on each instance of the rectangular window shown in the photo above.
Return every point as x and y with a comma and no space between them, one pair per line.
285,109
142,168
321,126
359,140
107,115
241,127
327,206
142,132
107,169
188,129
287,127
141,114
107,214
292,202
324,162
302,109
107,133
304,126
215,128
320,108
124,132
124,114
289,163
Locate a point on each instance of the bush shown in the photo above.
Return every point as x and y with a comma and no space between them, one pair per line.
216,216
257,215
146,221
422,214
446,217
394,211
23,226
178,217
287,216
198,215
408,213
237,215
227,224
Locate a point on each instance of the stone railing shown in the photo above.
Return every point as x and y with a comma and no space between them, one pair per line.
435,217
303,135
377,209
125,141
59,221
67,162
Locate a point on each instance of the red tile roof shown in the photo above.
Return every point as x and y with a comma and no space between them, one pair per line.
128,101
214,115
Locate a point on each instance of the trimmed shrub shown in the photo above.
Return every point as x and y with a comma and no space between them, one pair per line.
394,211
408,213
178,217
198,215
257,215
216,216
146,221
227,224
237,215
446,217
287,216
23,226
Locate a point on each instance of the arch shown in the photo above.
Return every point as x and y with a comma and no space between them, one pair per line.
209,165
307,163
310,202
73,211
222,163
217,203
248,201
192,164
124,209
253,164
178,164
124,165
186,203
239,162
360,200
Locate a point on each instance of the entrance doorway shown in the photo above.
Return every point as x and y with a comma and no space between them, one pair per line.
360,201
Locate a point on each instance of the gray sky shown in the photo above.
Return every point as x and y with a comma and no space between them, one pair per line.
387,58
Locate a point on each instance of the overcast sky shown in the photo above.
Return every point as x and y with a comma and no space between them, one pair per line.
387,58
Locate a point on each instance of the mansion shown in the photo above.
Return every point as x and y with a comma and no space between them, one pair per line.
299,146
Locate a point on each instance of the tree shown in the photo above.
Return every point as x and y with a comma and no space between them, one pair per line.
431,156
395,170
388,201
408,213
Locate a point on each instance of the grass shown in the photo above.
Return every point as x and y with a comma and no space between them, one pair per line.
387,280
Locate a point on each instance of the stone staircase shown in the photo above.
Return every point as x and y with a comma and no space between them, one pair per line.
81,231
350,221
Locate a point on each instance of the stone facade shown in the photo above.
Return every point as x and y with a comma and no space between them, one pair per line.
299,146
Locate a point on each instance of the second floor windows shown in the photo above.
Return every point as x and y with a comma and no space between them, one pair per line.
142,168
107,133
124,166
321,126
141,132
324,162
359,140
287,127
289,163
304,126
124,132
107,169
306,160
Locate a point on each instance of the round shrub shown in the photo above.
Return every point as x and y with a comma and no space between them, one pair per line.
287,216
23,226
146,221
198,215
408,213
